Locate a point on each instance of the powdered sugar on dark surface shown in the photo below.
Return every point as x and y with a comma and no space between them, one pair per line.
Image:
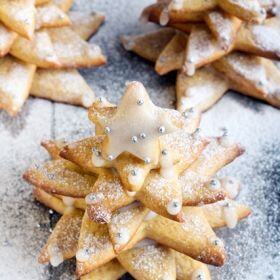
253,247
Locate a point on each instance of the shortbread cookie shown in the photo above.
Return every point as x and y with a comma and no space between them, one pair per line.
150,218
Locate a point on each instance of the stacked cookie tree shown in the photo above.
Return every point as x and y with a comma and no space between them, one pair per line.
40,47
215,46
141,195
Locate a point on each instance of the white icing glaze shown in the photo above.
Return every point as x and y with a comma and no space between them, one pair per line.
137,178
166,163
231,186
131,193
230,216
87,99
174,207
150,216
168,173
198,274
164,17
68,201
122,236
56,257
97,160
131,119
166,160
167,276
83,255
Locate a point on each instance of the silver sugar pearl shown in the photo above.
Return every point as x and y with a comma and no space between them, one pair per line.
107,129
164,152
190,60
133,172
216,242
214,182
134,139
143,135
197,131
140,102
100,99
226,204
185,114
147,160
96,152
175,204
110,157
188,112
161,129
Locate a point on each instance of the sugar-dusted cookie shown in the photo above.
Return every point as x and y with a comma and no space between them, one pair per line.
208,33
152,219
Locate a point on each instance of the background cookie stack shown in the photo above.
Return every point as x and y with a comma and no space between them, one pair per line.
40,46
215,46
141,195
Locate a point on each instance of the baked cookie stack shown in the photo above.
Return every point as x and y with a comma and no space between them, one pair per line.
214,45
40,45
141,196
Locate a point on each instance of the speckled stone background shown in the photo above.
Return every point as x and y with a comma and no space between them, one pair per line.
253,247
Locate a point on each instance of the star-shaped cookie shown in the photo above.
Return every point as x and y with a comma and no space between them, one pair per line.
136,126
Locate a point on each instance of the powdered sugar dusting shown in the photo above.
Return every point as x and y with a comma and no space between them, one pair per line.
224,27
254,124
267,37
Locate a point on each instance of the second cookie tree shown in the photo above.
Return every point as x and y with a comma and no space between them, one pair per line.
141,195
215,46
